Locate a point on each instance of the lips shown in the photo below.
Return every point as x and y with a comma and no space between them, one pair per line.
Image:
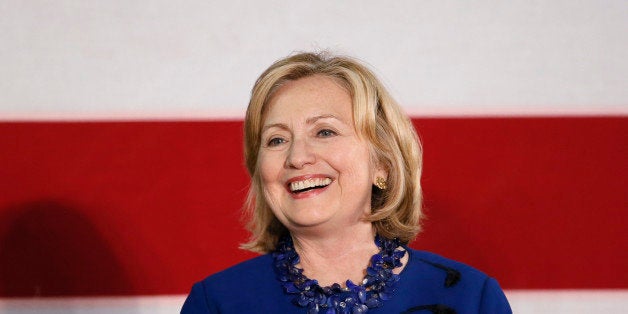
302,184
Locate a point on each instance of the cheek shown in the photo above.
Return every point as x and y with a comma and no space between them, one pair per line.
267,174
270,168
355,163
267,167
355,182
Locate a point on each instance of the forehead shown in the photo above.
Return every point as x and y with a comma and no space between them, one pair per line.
309,96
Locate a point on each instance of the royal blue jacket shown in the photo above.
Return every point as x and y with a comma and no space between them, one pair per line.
428,284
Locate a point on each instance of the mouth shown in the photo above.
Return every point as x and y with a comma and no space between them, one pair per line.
309,184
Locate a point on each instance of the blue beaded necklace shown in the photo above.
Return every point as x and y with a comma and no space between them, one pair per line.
378,284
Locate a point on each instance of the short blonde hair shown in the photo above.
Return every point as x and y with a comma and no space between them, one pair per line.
396,211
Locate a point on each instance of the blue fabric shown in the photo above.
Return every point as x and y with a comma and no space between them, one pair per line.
251,287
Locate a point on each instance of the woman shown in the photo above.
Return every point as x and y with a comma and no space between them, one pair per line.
334,200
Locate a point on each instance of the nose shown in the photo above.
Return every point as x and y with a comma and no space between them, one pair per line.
300,154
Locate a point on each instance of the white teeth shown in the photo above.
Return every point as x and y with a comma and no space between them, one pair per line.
309,183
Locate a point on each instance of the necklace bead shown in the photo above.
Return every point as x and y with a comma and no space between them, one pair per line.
378,285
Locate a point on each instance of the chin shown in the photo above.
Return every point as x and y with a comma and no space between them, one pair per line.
306,221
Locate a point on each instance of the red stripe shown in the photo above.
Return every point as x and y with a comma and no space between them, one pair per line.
137,208
537,203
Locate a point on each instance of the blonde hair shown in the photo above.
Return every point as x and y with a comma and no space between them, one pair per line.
394,143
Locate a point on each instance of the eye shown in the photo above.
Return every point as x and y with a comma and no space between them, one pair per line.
326,133
275,141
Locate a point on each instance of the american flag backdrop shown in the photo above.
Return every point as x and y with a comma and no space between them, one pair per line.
121,169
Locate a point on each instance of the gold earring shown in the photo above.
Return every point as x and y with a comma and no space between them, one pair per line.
381,183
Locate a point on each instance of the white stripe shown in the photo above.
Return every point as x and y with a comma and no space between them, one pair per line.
219,114
93,305
198,59
568,301
521,301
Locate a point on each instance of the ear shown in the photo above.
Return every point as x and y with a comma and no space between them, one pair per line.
380,173
380,176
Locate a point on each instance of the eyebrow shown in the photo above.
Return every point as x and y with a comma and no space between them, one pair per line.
311,120
324,116
274,125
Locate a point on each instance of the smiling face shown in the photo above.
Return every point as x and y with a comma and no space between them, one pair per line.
316,171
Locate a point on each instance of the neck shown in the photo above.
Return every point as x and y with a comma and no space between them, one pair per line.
337,256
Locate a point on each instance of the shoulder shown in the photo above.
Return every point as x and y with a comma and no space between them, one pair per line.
251,268
249,273
242,288
453,271
430,279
